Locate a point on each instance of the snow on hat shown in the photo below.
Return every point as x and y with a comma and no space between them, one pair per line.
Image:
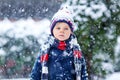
64,14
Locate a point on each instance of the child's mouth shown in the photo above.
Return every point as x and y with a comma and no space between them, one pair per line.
61,35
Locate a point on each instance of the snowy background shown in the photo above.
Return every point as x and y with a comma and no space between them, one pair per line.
22,28
25,23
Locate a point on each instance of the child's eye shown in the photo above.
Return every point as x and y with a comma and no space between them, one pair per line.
58,28
65,28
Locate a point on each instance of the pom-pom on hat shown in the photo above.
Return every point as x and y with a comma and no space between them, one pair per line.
64,14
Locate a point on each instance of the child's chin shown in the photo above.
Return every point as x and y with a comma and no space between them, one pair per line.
62,39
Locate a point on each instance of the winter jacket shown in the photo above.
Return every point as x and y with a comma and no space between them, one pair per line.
60,65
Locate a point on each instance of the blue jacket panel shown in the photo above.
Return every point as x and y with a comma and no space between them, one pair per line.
36,71
60,66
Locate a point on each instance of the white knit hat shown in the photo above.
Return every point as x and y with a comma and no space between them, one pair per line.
64,14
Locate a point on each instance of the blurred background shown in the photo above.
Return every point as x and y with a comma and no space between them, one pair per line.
25,23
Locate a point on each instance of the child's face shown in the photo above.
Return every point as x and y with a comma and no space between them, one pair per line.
62,31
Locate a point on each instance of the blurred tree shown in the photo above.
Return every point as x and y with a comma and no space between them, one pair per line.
20,55
97,29
114,21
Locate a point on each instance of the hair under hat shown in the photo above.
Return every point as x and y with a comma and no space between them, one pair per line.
64,14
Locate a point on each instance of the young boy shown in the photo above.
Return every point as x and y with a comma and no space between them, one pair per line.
60,57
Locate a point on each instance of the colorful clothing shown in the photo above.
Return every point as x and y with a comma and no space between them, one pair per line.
60,60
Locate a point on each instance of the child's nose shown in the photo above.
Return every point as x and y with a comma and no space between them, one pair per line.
61,30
